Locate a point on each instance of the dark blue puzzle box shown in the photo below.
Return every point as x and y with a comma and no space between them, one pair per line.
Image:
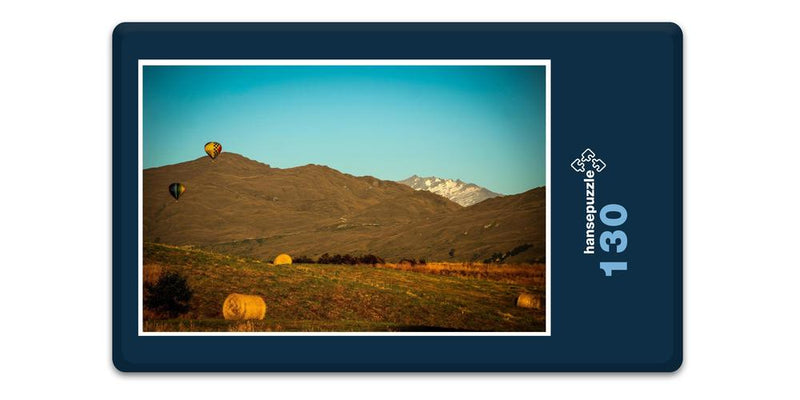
397,197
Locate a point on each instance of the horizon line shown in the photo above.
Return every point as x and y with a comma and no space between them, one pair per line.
347,173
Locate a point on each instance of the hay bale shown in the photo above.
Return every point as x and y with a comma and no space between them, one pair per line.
527,300
282,259
243,306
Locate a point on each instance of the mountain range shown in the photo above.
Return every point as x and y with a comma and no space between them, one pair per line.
235,205
465,194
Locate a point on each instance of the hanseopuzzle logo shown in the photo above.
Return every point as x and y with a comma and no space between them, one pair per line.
589,158
610,215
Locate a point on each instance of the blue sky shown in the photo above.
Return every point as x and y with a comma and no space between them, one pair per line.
480,124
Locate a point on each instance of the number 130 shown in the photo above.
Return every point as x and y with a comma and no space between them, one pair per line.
617,241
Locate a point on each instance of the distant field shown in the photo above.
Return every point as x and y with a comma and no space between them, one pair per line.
520,274
341,298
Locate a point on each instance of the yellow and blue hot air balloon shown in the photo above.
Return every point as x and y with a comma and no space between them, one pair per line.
213,149
176,190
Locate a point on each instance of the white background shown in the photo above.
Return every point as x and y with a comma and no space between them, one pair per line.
741,218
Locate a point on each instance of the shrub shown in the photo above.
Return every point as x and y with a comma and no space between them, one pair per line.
500,257
494,258
169,296
370,259
304,260
519,249
324,259
348,259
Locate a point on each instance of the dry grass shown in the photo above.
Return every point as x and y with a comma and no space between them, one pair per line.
529,274
243,327
167,326
350,298
152,272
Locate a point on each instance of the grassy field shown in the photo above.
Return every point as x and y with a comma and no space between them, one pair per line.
341,298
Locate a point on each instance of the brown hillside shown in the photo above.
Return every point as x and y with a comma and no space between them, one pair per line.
240,206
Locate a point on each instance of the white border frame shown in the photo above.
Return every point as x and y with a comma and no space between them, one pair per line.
323,62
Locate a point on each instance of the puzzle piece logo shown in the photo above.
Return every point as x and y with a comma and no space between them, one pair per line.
588,156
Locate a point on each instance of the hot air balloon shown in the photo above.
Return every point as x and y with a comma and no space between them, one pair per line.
213,149
176,190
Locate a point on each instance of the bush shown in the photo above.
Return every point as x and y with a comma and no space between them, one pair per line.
303,260
494,258
498,258
519,249
324,259
370,259
169,296
348,259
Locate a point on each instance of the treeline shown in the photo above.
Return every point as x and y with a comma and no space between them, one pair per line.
498,258
345,259
371,259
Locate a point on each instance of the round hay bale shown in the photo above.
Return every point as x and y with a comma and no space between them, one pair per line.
243,306
282,259
527,300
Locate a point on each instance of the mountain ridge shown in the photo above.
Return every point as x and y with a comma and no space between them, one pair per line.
241,206
464,193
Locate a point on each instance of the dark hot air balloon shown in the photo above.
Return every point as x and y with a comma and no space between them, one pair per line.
213,149
176,190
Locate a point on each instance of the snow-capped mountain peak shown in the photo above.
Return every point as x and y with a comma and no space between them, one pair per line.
465,194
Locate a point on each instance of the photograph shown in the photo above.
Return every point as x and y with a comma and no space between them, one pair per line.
378,197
